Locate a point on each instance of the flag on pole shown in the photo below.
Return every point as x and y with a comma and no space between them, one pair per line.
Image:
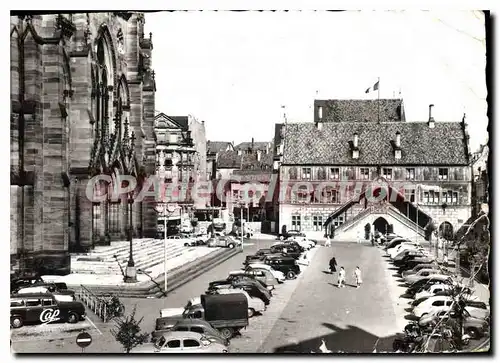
373,88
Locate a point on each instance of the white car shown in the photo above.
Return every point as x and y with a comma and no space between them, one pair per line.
433,305
393,252
255,305
278,275
432,290
303,242
178,239
181,342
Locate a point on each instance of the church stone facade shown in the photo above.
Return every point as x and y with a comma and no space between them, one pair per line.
82,104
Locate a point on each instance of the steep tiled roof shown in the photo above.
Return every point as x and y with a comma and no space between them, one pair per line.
258,145
181,120
361,110
229,160
217,146
444,144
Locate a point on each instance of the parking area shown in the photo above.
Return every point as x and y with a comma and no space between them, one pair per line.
404,304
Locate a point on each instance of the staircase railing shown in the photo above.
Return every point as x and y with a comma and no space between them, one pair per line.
350,222
405,220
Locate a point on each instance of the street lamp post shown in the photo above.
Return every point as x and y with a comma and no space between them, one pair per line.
167,210
131,273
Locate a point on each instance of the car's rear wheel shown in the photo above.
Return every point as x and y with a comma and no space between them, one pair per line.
282,238
16,322
186,244
231,245
290,275
251,312
72,318
226,333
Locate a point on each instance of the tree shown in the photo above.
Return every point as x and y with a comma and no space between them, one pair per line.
128,332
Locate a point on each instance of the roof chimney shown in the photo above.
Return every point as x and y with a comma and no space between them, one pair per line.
355,150
431,118
252,143
398,139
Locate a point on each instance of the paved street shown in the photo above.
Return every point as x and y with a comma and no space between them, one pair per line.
348,319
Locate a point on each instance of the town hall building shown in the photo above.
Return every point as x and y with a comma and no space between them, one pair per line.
354,149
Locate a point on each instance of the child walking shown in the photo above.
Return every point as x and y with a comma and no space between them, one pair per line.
341,277
357,276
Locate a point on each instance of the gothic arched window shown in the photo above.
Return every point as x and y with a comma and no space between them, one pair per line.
101,77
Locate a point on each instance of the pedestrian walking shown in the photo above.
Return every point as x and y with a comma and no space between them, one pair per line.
357,276
341,277
328,243
333,265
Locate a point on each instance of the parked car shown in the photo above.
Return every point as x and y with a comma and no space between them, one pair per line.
43,308
395,242
423,273
66,295
418,267
255,305
425,283
262,275
181,342
393,252
278,275
291,249
223,241
24,281
180,239
415,252
432,290
474,327
410,261
435,304
304,243
252,287
291,233
197,241
286,264
202,327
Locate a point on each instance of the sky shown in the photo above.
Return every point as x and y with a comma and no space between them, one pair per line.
235,70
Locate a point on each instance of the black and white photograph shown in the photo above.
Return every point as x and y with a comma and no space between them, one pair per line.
267,181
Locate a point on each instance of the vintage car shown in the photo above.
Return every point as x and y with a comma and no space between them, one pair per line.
181,342
417,268
252,287
421,274
164,325
278,275
66,295
291,233
223,241
286,264
38,308
428,281
262,275
473,326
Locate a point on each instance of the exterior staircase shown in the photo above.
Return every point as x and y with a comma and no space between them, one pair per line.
147,252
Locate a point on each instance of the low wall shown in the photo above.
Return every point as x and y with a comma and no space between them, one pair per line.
176,277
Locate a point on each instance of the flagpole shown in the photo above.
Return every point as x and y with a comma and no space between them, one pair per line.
378,101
